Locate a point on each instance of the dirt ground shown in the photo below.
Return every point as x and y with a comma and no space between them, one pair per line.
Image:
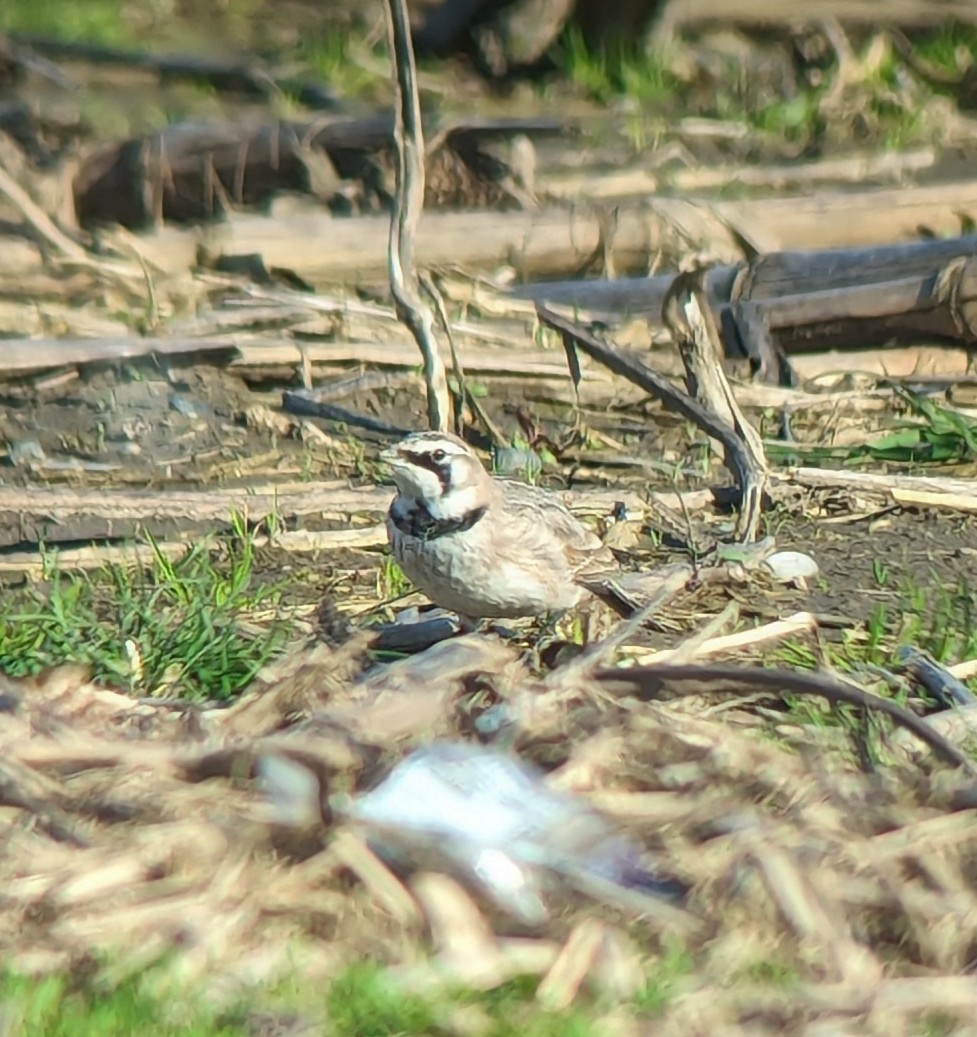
144,426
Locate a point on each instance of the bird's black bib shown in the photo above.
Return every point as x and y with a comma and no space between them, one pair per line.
422,525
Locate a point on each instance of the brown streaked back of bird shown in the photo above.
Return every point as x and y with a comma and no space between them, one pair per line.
540,510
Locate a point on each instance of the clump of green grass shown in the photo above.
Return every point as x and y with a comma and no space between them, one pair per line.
940,620
613,70
951,47
94,21
513,1011
360,1002
343,62
363,1003
391,581
150,25
51,1008
793,118
659,990
935,434
938,1024
174,623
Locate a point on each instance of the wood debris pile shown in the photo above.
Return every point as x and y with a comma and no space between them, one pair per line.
137,833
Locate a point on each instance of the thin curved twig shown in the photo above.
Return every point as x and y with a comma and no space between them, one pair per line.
649,682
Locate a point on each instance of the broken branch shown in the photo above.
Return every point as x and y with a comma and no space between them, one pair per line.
738,458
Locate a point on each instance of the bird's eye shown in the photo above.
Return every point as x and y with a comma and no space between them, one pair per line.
437,456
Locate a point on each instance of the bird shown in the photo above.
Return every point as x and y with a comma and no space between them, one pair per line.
481,546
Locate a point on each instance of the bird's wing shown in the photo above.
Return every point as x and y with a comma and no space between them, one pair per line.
544,515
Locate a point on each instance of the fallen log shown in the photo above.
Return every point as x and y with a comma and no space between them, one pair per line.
35,514
572,240
58,516
768,275
814,300
861,170
21,356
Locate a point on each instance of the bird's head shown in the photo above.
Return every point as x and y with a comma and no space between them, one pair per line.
439,471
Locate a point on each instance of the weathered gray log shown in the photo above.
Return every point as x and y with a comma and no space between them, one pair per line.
773,274
855,298
626,297
20,356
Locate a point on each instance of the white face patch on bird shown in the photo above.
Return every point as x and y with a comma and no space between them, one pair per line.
439,472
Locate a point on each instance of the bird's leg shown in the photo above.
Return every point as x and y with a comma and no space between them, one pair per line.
582,625
469,625
560,625
558,640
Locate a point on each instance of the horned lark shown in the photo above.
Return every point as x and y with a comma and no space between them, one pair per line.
480,546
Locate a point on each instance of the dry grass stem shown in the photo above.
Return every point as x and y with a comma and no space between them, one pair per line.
781,629
408,203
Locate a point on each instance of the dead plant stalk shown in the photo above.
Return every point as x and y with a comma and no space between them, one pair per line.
408,202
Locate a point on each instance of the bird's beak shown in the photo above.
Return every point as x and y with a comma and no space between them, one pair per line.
391,455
